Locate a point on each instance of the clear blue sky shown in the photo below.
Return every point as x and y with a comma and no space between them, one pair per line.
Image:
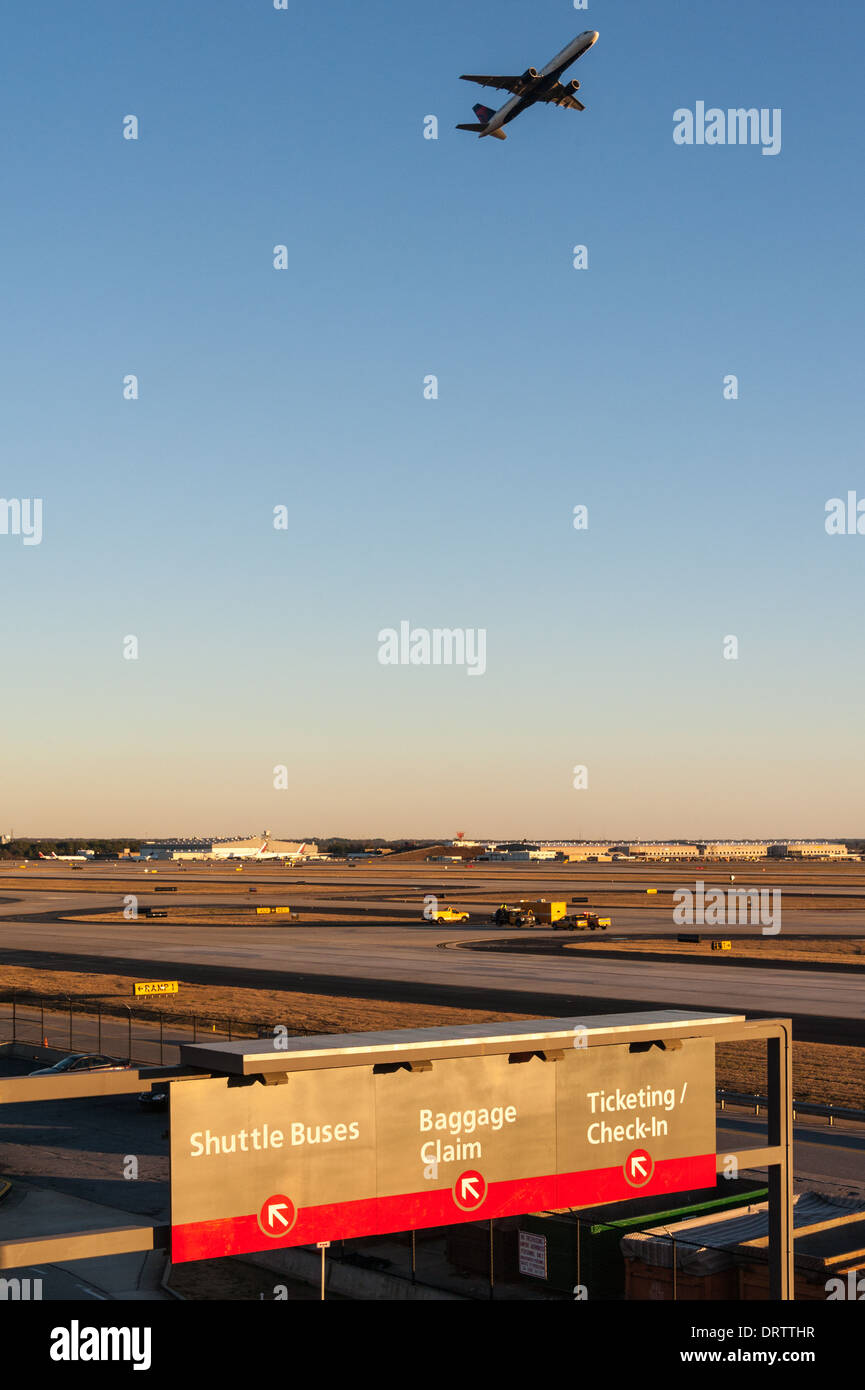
409,256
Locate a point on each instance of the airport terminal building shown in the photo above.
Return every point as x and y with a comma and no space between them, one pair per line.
814,849
588,853
663,851
736,849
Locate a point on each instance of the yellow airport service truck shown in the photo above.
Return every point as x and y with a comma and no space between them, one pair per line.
449,914
589,920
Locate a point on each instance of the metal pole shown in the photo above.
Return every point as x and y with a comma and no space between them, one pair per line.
781,1271
322,1273
579,1280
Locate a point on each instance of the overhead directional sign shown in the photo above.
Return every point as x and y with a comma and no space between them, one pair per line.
339,1151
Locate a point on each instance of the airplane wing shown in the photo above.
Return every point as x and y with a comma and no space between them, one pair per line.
560,96
505,84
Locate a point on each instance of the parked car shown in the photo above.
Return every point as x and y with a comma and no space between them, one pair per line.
153,1100
82,1061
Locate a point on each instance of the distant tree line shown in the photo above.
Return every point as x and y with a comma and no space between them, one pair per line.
340,846
110,849
31,849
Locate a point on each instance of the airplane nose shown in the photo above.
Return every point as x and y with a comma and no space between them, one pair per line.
595,35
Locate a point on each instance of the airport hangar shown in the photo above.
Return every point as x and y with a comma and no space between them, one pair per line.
254,847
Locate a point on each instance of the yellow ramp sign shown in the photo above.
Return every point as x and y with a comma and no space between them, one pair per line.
156,987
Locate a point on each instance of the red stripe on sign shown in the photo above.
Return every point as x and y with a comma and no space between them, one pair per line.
376,1216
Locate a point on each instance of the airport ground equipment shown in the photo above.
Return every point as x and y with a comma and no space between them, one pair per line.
553,914
544,911
507,916
450,914
590,920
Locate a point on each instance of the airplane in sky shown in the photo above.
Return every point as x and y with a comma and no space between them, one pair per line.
532,86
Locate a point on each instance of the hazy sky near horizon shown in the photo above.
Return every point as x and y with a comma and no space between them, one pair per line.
257,647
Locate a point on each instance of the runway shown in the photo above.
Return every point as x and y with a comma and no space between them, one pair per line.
394,961
404,957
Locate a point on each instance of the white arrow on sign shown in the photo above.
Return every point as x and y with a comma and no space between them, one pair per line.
467,1186
274,1211
638,1166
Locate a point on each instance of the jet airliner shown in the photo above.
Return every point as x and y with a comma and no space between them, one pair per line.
532,86
83,857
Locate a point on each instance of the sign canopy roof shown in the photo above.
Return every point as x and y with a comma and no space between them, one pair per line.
282,1053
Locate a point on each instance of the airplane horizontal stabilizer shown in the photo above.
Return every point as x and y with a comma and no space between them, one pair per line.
497,134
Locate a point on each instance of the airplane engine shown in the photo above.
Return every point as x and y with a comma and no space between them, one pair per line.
530,74
573,85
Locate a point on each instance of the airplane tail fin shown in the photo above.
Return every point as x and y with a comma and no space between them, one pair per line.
484,115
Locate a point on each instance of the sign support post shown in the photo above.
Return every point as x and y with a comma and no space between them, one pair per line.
781,1270
322,1245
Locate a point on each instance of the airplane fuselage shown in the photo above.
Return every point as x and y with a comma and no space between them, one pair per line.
545,80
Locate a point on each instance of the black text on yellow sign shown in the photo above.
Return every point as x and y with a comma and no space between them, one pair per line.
156,987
